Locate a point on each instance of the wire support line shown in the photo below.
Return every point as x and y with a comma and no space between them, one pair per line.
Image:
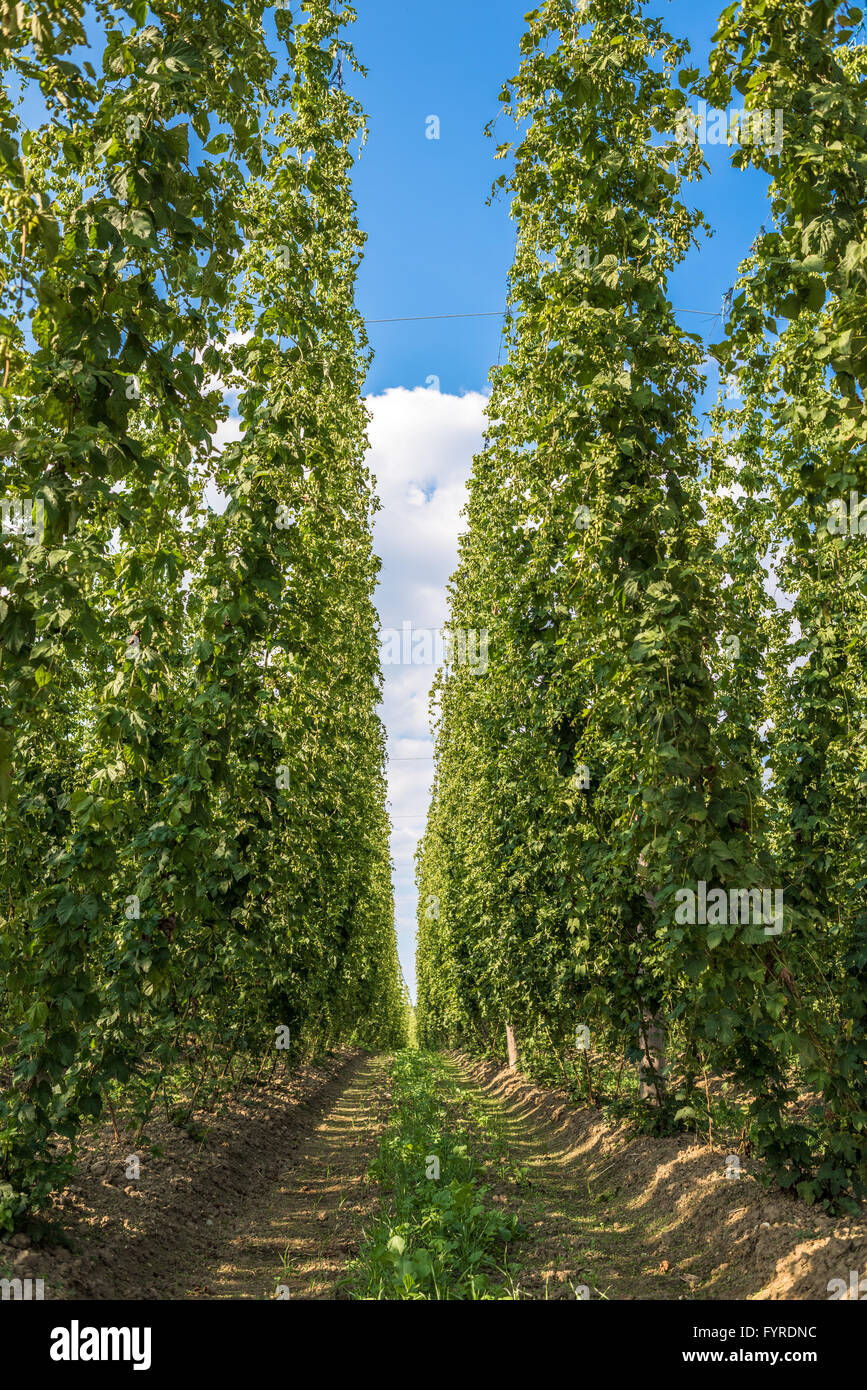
501,313
424,318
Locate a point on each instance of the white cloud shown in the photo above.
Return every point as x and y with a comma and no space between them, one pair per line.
421,451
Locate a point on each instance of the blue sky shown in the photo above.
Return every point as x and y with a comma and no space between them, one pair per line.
435,247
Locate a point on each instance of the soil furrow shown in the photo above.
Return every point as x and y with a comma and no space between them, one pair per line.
626,1216
297,1240
140,1238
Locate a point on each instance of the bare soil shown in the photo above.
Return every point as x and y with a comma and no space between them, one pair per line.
150,1238
296,1241
271,1201
636,1217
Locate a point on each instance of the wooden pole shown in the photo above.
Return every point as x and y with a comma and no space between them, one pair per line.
651,1032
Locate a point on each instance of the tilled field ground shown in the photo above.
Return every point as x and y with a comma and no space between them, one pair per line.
273,1201
636,1217
168,1232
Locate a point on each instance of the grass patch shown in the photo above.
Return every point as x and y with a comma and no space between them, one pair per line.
440,1237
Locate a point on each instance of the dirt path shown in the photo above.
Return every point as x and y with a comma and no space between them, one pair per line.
303,1230
635,1217
207,1213
271,1202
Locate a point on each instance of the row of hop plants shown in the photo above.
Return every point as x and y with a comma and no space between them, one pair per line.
675,703
192,797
